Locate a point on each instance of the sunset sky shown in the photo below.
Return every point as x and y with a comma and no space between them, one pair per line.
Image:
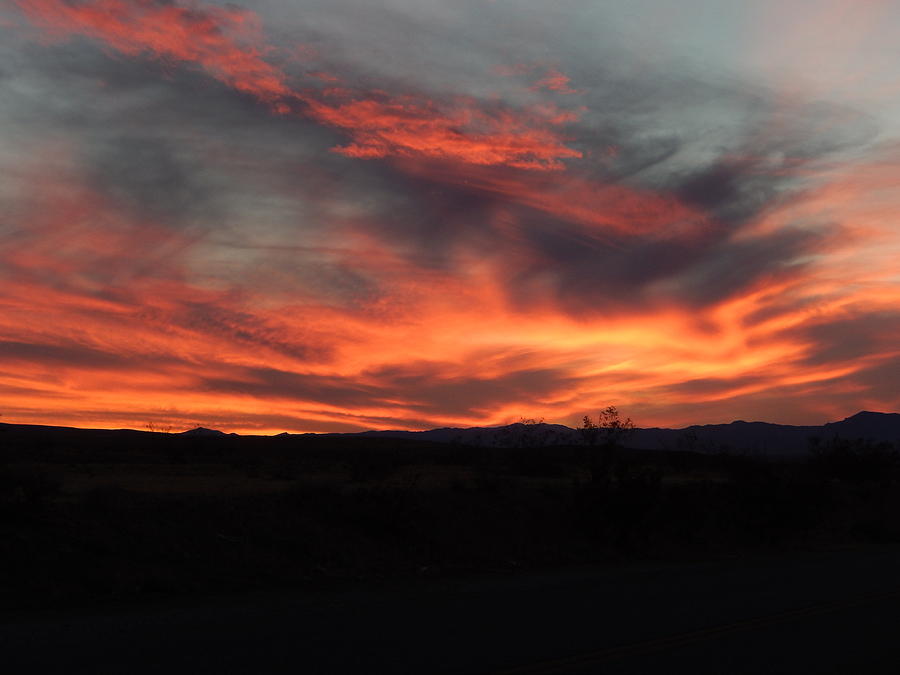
336,215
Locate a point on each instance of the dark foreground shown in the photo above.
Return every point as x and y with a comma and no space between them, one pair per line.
828,612
91,517
142,552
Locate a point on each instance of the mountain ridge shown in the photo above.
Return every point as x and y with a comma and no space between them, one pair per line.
763,438
739,435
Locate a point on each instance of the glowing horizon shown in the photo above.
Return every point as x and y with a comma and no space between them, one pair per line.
326,216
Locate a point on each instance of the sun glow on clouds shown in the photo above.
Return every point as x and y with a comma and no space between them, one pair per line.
490,259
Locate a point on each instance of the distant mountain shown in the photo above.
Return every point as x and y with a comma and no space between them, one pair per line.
746,437
755,438
203,431
880,426
509,435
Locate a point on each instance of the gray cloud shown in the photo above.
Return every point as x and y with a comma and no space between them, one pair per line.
846,340
76,356
156,151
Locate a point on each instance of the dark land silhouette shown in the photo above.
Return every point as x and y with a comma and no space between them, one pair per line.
92,515
512,549
759,438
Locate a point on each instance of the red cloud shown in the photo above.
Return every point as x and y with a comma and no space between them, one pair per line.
228,44
221,40
411,127
555,81
607,207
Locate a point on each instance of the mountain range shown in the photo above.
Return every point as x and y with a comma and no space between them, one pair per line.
746,437
754,438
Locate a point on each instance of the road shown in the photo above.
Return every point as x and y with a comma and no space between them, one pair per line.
826,612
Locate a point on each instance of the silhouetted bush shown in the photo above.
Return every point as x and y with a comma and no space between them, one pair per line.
856,460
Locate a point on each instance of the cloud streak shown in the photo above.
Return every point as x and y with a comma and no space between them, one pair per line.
228,44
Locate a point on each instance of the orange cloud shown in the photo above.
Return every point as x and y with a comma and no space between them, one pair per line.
108,318
103,324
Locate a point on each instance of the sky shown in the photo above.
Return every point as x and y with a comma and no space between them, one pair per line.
336,215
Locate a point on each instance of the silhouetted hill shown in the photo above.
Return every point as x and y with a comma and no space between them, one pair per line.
767,438
761,438
510,435
203,431
865,424
745,437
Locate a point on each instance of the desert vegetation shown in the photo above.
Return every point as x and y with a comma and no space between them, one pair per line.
88,516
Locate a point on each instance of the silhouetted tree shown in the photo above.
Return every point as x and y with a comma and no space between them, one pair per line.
854,460
156,428
530,432
603,437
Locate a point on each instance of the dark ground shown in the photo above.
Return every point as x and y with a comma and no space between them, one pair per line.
829,612
138,552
